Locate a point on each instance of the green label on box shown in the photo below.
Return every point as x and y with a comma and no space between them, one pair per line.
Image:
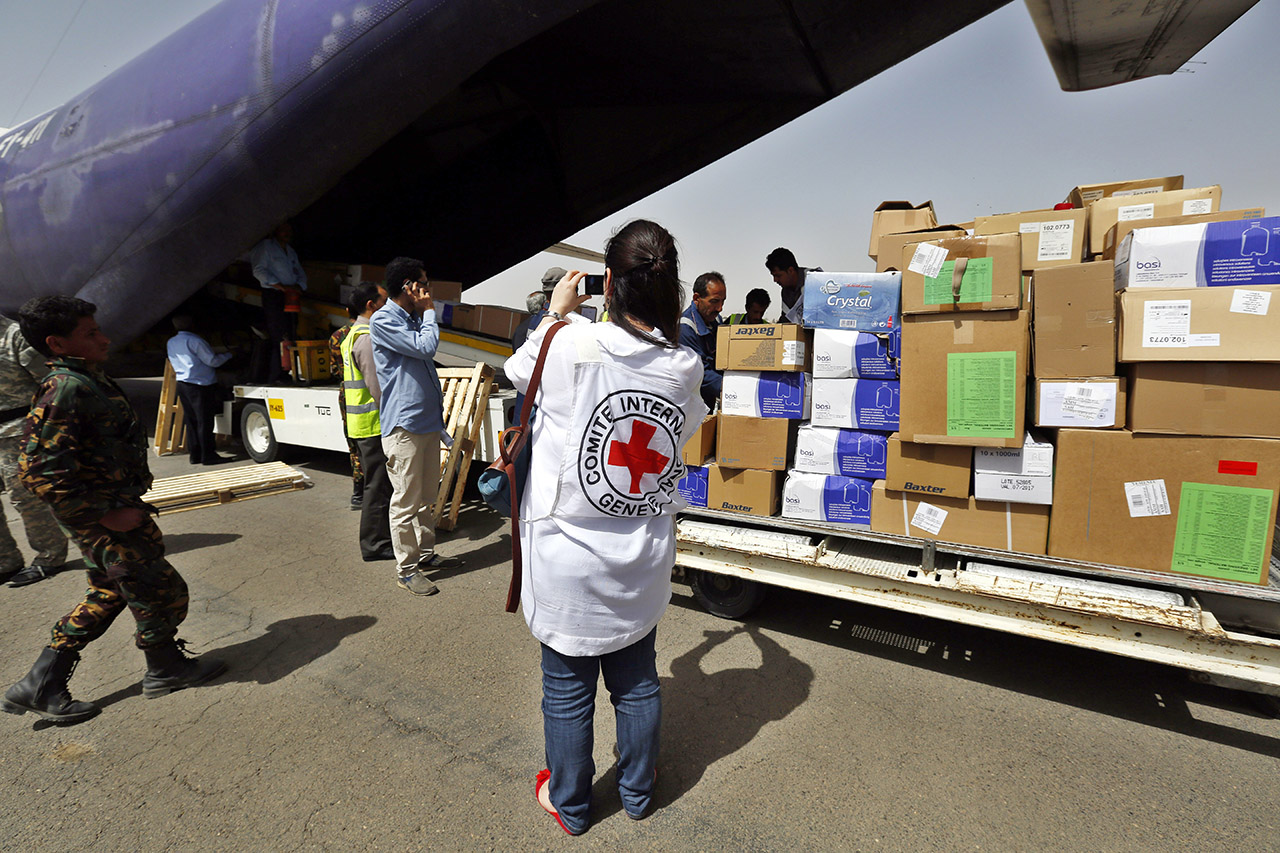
1222,532
982,394
975,285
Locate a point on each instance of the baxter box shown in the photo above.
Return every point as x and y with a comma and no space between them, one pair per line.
1106,212
856,403
1086,194
827,497
1200,324
763,346
769,394
891,245
762,443
1049,237
861,301
962,274
1097,402
1243,252
702,444
848,452
1075,321
986,524
935,469
1023,475
964,378
840,354
1196,506
896,217
1205,398
1116,233
693,486
743,490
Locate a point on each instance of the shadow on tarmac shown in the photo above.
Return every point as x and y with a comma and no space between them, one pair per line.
1143,692
177,543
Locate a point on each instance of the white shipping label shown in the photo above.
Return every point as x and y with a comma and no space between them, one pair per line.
1166,323
1196,206
1147,498
1055,241
1142,191
1090,195
793,353
1204,340
928,260
1092,403
1250,302
1136,211
1029,228
929,518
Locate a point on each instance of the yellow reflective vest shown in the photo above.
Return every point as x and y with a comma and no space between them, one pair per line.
362,410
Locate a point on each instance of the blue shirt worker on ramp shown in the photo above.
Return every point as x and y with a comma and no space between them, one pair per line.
698,326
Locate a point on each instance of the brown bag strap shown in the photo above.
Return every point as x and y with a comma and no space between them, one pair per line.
509,448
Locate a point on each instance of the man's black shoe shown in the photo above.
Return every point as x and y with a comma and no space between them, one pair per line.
380,555
33,574
218,459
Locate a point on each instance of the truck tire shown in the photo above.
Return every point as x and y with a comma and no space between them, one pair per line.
256,435
726,596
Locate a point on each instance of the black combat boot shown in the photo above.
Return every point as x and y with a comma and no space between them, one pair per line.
357,494
44,690
168,669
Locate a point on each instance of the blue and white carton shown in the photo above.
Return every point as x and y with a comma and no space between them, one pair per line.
765,394
847,452
1206,254
856,403
822,497
693,486
859,301
839,354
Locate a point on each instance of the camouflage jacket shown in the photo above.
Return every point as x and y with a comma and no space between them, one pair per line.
21,369
84,451
335,349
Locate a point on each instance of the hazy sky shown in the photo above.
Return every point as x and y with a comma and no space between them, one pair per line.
977,123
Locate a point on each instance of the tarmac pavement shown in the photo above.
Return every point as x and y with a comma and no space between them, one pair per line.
355,716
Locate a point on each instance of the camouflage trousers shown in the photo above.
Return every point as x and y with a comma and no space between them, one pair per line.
125,570
357,469
43,533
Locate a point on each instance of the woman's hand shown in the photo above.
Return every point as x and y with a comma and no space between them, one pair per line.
565,297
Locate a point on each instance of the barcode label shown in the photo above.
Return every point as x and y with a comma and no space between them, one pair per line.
1147,498
929,518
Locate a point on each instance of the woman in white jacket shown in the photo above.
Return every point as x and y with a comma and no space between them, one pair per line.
616,404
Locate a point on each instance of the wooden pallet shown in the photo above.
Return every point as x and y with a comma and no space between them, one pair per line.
466,405
171,433
212,488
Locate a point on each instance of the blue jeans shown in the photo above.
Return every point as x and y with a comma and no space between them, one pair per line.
568,706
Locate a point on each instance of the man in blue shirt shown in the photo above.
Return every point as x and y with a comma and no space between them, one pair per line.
276,267
698,326
193,363
405,337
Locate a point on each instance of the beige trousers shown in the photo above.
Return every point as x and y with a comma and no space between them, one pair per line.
413,465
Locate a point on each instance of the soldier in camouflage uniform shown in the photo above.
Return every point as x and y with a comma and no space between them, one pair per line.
85,454
21,368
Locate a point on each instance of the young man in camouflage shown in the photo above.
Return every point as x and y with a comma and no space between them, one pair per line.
85,454
21,369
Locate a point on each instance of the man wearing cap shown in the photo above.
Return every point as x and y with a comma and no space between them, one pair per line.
537,310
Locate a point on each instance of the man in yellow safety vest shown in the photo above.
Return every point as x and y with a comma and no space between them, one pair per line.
362,394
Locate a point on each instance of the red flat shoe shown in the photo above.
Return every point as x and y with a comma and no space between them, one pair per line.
539,781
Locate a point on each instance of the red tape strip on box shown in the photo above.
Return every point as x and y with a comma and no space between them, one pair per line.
1230,466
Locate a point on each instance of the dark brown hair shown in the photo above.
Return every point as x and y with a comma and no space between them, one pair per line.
646,281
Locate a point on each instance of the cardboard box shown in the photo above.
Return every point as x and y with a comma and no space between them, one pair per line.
466,317
693,486
1108,211
891,245
701,446
325,280
964,378
357,273
896,217
1086,194
935,469
761,443
1120,230
1200,324
1075,321
839,354
977,274
847,452
986,524
498,322
1023,475
1096,402
1197,506
856,403
1237,253
767,394
861,301
1205,398
450,291
1049,237
764,346
743,490
827,497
